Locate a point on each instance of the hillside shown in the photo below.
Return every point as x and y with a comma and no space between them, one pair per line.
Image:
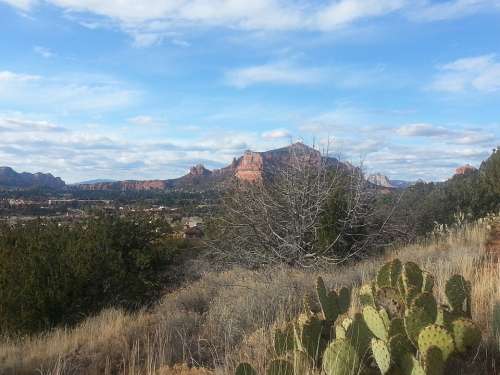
224,318
10,179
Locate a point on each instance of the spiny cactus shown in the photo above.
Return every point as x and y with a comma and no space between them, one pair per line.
332,304
466,334
341,358
382,355
376,323
458,292
402,330
434,335
307,335
433,361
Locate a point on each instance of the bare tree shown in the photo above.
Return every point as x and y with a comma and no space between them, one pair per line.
289,216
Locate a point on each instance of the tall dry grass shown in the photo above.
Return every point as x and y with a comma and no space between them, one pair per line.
227,317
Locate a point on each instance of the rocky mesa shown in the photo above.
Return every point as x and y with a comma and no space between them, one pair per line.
251,166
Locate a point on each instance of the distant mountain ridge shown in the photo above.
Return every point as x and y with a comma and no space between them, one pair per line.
10,179
384,181
251,166
95,181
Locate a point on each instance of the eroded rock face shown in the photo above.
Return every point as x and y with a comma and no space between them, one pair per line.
465,169
250,168
199,170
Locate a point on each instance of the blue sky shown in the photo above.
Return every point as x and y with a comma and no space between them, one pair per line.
137,90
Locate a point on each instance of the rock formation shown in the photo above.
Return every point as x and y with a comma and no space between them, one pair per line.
11,179
465,169
251,167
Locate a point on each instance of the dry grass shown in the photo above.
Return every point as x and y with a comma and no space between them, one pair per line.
226,317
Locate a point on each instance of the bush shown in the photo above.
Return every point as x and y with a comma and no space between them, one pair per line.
52,274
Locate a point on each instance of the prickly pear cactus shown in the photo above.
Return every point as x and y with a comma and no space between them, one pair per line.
382,355
413,334
402,329
341,358
376,323
458,292
466,334
307,335
328,300
437,336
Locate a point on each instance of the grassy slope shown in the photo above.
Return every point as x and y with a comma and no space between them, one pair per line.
225,317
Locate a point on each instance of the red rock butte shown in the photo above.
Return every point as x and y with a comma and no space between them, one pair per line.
465,169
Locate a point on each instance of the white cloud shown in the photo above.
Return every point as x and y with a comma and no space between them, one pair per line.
142,120
480,73
7,76
344,12
37,145
422,130
150,21
445,10
21,4
78,93
276,134
46,53
274,73
448,135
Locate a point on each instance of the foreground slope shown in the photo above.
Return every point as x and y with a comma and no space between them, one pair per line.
226,317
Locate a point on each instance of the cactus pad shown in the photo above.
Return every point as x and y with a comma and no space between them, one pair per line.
412,277
396,326
245,369
438,336
344,300
399,346
427,302
410,365
340,332
375,323
428,282
359,335
280,367
457,291
467,335
384,276
382,355
367,295
433,361
341,358
307,335
328,301
390,300
415,320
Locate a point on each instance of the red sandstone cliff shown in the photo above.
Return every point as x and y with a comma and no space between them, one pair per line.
251,167
465,169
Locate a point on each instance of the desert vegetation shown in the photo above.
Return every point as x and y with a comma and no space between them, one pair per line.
228,317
